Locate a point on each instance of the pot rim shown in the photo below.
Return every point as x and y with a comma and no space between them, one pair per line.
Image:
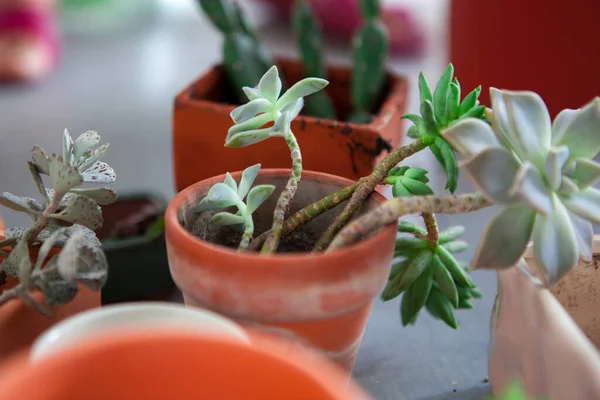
529,253
177,235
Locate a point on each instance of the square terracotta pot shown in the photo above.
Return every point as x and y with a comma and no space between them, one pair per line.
201,120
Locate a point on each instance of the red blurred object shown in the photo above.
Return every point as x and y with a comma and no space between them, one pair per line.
342,18
549,47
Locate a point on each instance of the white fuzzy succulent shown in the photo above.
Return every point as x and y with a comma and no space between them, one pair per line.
541,173
266,106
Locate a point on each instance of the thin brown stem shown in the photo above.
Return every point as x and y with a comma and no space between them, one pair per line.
391,210
433,232
365,189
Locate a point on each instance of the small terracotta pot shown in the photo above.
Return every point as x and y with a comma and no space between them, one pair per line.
537,45
175,365
201,120
21,324
322,300
533,339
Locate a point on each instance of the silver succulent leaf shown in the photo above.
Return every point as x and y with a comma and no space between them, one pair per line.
12,264
56,290
80,210
541,173
266,106
22,204
82,261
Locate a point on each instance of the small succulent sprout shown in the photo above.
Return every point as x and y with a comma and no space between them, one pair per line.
439,111
541,173
428,275
229,194
408,181
266,106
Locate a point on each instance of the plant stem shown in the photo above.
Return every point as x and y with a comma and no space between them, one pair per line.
308,213
248,232
433,233
283,203
391,210
32,233
365,189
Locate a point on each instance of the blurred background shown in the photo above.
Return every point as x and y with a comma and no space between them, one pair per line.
115,66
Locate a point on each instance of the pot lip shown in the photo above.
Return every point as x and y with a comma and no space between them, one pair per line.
307,365
529,254
174,230
397,82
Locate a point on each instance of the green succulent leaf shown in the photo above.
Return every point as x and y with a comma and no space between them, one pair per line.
440,95
398,268
440,307
453,267
410,227
457,246
444,280
451,234
416,173
411,243
269,85
257,196
408,276
399,190
453,102
413,132
424,91
477,112
219,196
224,218
416,187
429,124
246,111
303,88
450,165
421,288
408,311
469,102
248,177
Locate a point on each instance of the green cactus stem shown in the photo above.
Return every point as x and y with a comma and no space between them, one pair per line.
365,189
371,47
393,209
308,36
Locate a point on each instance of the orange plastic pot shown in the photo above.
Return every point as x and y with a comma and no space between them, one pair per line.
170,365
21,324
322,300
539,45
201,120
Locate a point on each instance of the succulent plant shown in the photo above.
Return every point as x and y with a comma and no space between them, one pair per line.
541,173
514,391
267,106
408,181
65,218
439,111
229,194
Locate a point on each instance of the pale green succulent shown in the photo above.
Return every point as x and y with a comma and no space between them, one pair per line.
266,106
541,173
229,194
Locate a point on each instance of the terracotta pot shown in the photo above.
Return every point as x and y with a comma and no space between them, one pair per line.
533,338
201,120
175,365
21,324
537,45
321,300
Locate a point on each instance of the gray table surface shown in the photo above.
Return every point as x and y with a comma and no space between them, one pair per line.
123,86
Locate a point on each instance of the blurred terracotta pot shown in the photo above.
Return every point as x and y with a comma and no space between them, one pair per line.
21,324
201,120
171,365
322,300
533,339
540,45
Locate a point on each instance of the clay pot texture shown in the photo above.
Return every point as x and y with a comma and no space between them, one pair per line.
533,339
21,324
539,45
175,365
322,300
201,120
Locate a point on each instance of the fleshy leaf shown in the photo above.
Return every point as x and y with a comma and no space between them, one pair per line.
452,102
67,147
250,109
78,261
46,247
451,234
257,196
444,280
282,125
440,95
83,211
450,165
498,117
560,124
100,172
441,308
429,123
229,181
219,196
269,85
248,177
469,101
586,204
424,91
58,292
22,204
90,158
568,187
529,186
101,196
554,243
584,232
225,218
409,275
303,88
493,172
553,168
581,134
470,137
62,175
585,173
15,259
248,138
37,179
249,125
505,238
40,160
294,108
84,144
251,92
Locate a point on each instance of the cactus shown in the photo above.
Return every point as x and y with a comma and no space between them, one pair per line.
244,57
308,36
371,45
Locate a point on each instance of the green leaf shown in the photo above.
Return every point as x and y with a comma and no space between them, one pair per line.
409,227
453,267
477,112
424,91
413,132
63,176
469,101
156,230
248,177
415,119
270,84
450,164
218,197
257,196
440,95
399,190
444,280
435,150
83,211
408,311
453,102
421,288
246,111
408,276
411,243
416,187
397,268
247,138
303,88
229,181
416,173
429,123
224,218
451,234
440,307
457,246
464,304
398,171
